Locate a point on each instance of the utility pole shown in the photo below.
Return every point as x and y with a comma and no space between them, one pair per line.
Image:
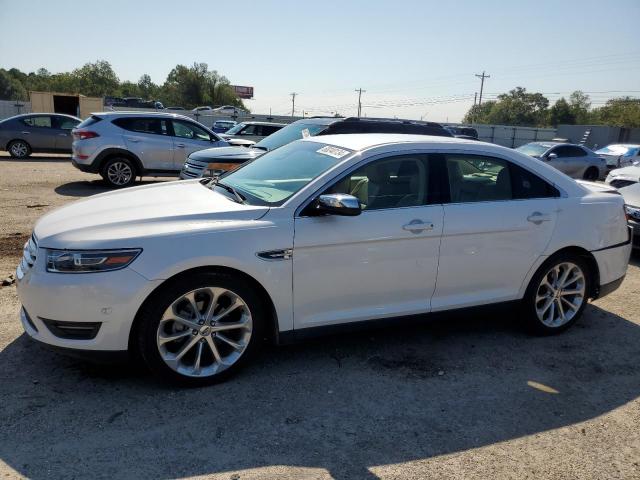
360,90
293,103
475,98
481,77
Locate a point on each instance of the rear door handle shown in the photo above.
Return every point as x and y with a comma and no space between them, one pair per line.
133,139
417,226
62,134
538,218
25,133
180,145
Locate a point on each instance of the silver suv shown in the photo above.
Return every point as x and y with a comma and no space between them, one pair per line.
121,146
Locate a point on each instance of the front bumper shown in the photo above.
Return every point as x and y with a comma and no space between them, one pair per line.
55,304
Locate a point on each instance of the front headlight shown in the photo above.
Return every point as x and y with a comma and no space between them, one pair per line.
84,261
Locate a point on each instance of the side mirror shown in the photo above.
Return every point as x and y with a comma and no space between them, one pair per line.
552,156
338,204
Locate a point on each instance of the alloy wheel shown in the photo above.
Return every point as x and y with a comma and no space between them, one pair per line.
119,173
204,332
560,294
19,149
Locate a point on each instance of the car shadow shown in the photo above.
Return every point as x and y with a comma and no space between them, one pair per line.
88,188
635,258
344,404
38,159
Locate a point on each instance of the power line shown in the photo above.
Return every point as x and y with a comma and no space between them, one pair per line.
359,90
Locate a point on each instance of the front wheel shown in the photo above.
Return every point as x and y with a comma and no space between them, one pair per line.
557,294
198,331
592,174
19,149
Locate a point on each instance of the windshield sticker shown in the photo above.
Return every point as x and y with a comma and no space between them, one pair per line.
305,133
334,152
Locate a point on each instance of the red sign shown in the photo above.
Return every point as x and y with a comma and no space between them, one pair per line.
243,92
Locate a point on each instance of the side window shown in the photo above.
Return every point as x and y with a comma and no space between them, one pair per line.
39,121
564,151
251,130
528,185
269,129
476,178
153,126
190,131
64,123
391,182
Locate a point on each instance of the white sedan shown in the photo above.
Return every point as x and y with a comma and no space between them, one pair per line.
320,233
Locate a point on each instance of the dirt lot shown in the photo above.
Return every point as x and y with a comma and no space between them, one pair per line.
462,396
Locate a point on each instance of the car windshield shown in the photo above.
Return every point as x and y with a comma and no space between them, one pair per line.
288,134
624,150
236,129
275,176
533,149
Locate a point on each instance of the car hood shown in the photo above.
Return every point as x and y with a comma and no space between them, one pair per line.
632,171
119,219
230,154
631,194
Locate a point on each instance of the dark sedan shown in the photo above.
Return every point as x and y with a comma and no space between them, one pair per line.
23,135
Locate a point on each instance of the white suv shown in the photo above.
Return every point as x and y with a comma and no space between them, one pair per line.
322,232
121,146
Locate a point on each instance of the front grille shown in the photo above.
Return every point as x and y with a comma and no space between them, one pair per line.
621,183
29,254
72,330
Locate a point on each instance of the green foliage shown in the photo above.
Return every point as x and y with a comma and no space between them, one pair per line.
519,107
185,86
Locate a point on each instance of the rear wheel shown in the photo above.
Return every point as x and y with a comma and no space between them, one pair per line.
119,172
198,331
591,174
19,149
557,294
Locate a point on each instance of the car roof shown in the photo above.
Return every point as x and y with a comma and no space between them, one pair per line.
251,122
364,141
142,114
33,114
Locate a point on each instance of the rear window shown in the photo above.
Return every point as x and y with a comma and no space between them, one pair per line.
89,121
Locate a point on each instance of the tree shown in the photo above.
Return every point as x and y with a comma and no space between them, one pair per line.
621,112
95,79
10,88
561,112
518,107
146,87
479,113
580,103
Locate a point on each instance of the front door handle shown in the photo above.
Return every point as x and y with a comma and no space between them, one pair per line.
180,145
417,226
25,133
62,134
133,139
538,218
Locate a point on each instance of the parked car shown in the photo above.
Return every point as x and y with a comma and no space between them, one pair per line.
202,109
623,177
620,154
230,110
198,164
469,133
121,146
194,275
576,161
631,195
177,109
254,131
222,126
30,133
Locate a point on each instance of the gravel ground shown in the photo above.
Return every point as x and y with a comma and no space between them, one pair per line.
461,396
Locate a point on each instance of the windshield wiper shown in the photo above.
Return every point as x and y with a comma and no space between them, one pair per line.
215,183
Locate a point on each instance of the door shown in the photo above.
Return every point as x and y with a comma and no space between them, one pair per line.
38,132
189,138
499,220
570,160
381,263
62,127
149,139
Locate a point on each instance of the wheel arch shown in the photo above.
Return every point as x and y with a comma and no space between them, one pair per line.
271,329
581,252
109,153
6,147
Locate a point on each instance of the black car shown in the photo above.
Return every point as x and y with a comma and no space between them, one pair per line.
198,162
468,133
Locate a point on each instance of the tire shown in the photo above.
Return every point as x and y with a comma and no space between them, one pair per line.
591,174
119,172
171,337
555,319
19,149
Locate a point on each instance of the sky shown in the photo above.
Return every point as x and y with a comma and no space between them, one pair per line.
414,58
